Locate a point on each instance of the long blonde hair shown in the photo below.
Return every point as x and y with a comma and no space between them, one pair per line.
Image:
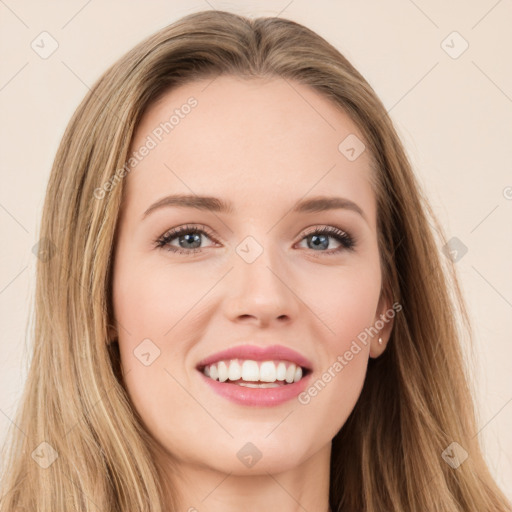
416,398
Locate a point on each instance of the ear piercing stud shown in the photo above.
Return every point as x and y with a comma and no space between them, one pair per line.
380,341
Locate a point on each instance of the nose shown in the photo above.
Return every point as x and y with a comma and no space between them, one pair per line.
261,292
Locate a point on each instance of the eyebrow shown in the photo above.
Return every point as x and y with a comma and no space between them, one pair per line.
214,204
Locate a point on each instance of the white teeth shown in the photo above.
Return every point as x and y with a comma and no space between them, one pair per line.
268,372
223,371
281,371
290,374
252,371
235,372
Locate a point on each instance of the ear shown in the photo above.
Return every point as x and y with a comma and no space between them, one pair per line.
383,322
112,334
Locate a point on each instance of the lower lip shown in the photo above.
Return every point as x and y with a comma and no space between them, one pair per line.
263,397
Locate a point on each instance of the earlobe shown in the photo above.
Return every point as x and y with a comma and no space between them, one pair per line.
383,323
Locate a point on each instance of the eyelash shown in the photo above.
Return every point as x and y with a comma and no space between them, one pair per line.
347,241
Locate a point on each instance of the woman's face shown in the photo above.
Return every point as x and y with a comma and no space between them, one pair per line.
253,275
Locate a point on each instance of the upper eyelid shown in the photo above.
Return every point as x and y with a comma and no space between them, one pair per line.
200,227
186,228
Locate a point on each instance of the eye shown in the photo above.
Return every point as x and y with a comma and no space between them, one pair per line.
319,238
189,238
188,235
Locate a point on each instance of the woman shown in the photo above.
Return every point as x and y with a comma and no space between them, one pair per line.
254,368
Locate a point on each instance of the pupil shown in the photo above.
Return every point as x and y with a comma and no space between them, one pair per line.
316,238
194,235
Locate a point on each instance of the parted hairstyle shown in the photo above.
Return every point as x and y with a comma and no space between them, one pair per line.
417,396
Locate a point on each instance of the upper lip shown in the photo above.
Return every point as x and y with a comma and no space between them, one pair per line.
257,353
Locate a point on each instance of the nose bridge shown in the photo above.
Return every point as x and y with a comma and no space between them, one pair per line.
259,284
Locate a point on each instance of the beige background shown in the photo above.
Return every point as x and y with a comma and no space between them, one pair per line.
453,114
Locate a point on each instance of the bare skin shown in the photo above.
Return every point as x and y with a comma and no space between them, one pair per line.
262,145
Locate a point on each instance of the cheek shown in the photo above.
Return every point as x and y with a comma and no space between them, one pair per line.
347,308
152,307
148,302
146,307
345,301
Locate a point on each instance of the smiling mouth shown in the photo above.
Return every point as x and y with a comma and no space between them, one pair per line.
255,374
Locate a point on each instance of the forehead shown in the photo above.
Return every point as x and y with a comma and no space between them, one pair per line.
247,141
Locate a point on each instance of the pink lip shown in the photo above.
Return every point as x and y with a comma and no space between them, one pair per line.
263,397
256,353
